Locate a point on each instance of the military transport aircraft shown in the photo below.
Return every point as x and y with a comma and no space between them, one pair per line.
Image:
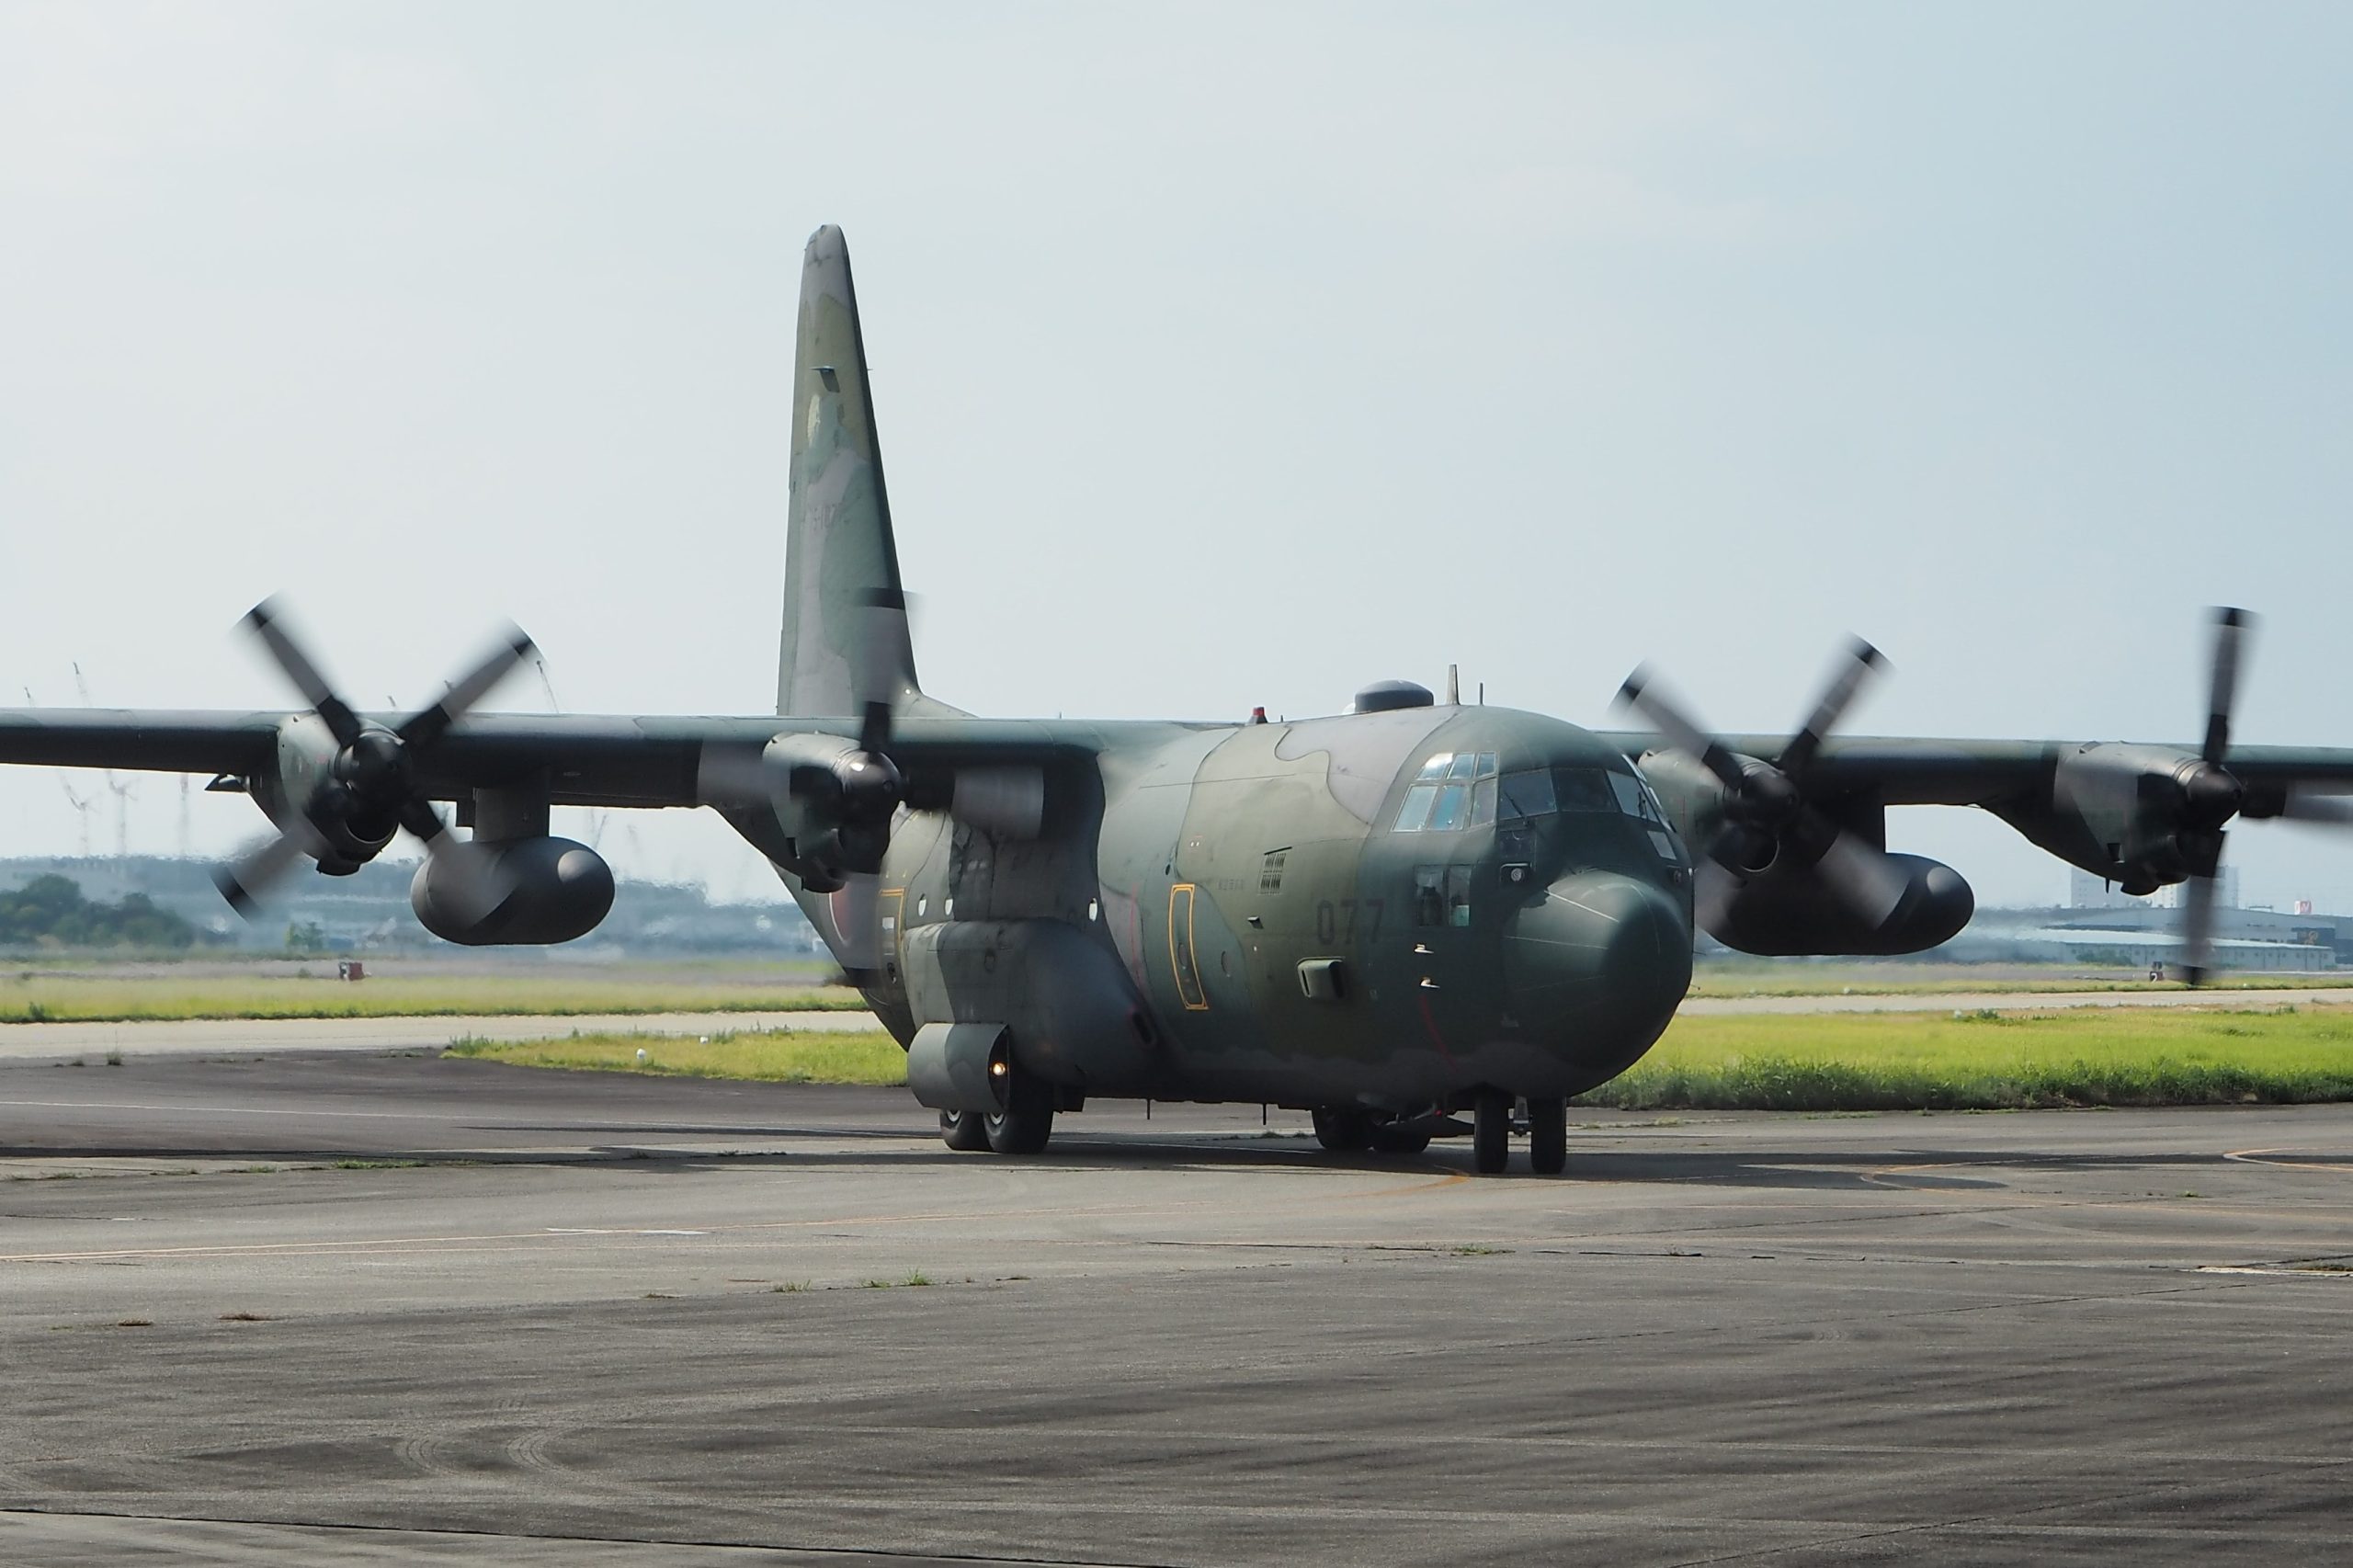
1390,916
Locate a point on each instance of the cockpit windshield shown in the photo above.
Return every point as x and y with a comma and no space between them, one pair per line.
1455,790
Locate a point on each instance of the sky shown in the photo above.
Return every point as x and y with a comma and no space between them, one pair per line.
1223,355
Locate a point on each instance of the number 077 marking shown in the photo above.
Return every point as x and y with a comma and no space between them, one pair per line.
1337,922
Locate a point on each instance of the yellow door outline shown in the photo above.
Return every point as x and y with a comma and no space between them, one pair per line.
1181,958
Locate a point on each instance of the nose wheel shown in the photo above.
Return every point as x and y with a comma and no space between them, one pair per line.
1491,1132
1548,1133
1548,1136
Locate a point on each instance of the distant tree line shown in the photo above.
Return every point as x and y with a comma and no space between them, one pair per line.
49,912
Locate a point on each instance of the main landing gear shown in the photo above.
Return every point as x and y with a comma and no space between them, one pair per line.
1346,1130
1021,1127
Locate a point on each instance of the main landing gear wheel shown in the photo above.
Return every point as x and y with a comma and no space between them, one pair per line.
966,1131
1342,1129
1548,1136
1491,1132
1027,1119
1388,1137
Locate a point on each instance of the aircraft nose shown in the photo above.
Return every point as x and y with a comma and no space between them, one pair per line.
1599,965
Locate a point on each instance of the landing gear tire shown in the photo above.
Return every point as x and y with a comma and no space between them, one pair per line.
1342,1129
1027,1119
966,1131
1387,1139
1491,1132
1548,1136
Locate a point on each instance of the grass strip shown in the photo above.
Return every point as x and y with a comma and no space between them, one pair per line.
72,999
774,1056
1984,1060
1993,1061
1806,980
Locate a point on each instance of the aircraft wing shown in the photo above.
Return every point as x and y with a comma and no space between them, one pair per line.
1905,771
580,759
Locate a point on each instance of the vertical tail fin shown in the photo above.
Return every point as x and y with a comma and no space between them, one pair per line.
840,556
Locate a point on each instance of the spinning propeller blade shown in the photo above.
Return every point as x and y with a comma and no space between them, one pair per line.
1766,803
371,778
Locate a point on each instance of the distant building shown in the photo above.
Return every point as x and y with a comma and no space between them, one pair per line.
368,912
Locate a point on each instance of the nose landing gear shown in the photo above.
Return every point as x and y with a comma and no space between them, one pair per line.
1548,1133
1491,1132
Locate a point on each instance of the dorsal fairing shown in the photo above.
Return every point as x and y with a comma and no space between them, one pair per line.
840,555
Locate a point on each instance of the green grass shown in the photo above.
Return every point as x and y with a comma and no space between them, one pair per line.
36,996
1739,978
783,1056
1985,1060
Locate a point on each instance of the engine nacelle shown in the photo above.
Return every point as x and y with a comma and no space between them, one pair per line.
306,752
2130,813
1795,911
548,889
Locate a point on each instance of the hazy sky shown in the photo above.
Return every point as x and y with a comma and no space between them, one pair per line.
1222,358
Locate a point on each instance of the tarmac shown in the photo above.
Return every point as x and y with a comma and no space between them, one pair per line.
342,1308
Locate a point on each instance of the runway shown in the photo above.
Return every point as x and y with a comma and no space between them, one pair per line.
240,1036
345,1308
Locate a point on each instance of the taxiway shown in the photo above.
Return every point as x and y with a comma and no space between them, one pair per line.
340,1308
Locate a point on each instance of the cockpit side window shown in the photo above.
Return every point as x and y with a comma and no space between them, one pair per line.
1635,799
1442,895
1630,795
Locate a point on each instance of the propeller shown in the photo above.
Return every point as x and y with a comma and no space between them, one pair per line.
1765,805
371,786
2212,796
838,798
860,793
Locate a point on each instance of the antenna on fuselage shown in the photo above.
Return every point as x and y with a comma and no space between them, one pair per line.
1453,687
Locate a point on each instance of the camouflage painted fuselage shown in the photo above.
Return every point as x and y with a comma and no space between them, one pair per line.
1523,926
